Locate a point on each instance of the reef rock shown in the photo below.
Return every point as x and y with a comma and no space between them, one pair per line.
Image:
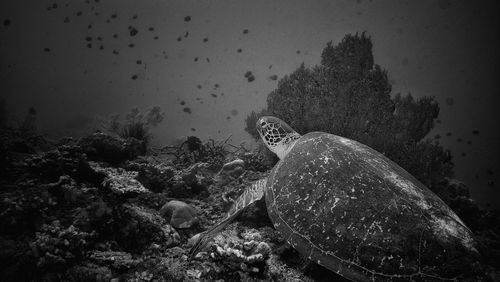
141,227
191,181
119,181
64,160
232,169
154,173
179,214
112,259
112,149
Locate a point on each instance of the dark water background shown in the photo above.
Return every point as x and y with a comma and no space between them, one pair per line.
75,60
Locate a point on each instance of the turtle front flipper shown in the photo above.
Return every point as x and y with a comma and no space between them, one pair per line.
250,195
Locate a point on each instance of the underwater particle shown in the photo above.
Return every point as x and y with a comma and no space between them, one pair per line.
249,76
6,22
131,45
99,38
298,52
116,52
179,39
205,39
449,101
133,31
134,17
54,6
79,13
101,47
115,35
404,62
182,103
89,45
475,132
187,18
245,31
155,38
134,77
46,49
213,95
113,16
469,142
476,176
208,60
186,34
138,62
234,112
193,129
459,140
187,110
216,86
151,28
66,20
464,154
108,21
239,50
491,183
437,136
270,67
489,171
448,133
198,98
196,59
89,26
88,38
198,86
228,117
273,77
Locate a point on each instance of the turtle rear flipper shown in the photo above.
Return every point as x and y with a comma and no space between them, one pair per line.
250,195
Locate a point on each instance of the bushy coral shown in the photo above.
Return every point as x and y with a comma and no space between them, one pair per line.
349,95
135,124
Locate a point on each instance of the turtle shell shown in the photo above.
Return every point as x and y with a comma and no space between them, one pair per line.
350,209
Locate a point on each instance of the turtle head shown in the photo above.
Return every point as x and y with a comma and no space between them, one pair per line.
278,136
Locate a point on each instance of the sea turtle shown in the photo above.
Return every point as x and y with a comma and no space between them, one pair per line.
350,209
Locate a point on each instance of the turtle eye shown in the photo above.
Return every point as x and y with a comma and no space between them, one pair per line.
262,123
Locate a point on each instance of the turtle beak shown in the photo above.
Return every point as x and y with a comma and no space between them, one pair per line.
260,125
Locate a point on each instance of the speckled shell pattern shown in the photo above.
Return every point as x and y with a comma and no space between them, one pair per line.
350,209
